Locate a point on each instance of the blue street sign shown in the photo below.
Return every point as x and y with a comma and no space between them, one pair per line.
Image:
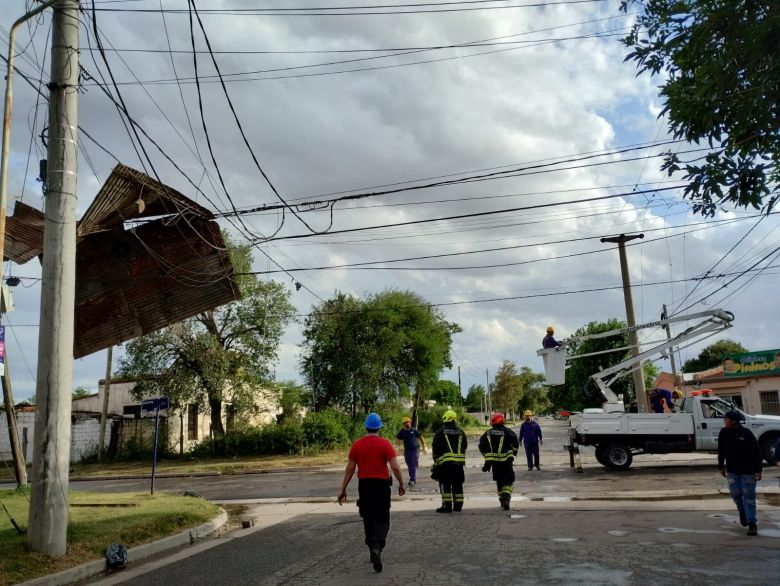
154,404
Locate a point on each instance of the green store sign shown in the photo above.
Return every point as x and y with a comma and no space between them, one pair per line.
752,363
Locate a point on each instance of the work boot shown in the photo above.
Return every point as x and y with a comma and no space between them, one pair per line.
743,519
752,529
458,507
505,503
376,559
444,509
537,467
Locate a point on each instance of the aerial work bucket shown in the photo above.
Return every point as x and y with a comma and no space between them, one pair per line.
554,365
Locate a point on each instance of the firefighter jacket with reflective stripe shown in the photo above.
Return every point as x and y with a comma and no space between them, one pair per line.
449,445
499,444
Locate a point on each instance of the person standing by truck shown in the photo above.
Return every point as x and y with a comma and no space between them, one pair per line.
740,462
531,436
499,447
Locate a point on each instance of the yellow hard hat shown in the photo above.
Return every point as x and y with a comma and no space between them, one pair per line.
528,413
550,329
449,415
406,418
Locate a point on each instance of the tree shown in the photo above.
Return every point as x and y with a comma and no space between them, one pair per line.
445,392
356,352
579,392
508,390
475,398
222,354
292,398
80,392
712,355
721,61
534,393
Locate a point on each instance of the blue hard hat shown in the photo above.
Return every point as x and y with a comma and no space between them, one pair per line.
373,421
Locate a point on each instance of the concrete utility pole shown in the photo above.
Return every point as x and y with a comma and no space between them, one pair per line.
20,469
48,517
668,329
633,339
104,412
460,393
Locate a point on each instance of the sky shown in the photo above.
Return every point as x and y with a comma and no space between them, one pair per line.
535,104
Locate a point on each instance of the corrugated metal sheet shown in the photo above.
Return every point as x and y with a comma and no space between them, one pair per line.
23,234
134,282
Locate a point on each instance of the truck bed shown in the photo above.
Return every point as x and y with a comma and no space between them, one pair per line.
598,424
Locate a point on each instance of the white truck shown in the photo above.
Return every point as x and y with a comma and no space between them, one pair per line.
619,436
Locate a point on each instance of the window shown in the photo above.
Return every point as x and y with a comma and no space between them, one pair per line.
736,399
714,408
769,403
192,422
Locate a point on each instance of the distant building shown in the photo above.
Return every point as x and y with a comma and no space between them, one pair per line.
750,380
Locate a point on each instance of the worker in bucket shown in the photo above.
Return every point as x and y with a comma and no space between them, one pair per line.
549,340
531,436
449,459
499,447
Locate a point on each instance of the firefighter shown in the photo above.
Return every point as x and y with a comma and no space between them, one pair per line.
499,446
449,460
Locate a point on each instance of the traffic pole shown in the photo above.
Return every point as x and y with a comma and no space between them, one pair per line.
48,517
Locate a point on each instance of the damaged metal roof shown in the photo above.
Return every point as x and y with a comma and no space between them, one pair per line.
131,282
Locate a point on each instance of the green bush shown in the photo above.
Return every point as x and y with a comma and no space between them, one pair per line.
323,430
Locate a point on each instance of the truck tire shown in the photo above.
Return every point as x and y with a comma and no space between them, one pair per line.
601,455
618,456
767,443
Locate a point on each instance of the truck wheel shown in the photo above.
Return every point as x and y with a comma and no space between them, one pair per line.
618,456
601,455
767,444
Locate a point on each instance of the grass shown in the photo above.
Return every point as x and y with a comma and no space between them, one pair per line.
96,520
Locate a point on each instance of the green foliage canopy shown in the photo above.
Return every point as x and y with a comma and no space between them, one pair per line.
357,352
721,63
712,355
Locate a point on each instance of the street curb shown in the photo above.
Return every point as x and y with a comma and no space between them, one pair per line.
323,468
134,554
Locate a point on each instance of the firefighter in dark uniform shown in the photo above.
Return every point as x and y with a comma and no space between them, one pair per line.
449,460
499,447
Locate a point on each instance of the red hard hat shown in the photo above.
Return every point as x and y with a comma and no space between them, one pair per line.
497,419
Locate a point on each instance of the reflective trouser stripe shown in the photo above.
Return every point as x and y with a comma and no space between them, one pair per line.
505,489
459,498
446,497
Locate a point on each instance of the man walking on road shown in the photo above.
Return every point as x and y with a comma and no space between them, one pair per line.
740,462
499,446
449,460
531,436
370,455
412,440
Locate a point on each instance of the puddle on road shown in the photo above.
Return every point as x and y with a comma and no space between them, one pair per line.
564,539
518,516
617,533
235,515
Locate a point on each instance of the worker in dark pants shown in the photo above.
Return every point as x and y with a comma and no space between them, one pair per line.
741,462
370,455
449,459
531,437
499,447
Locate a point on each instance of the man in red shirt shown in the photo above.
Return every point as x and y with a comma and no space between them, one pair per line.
370,455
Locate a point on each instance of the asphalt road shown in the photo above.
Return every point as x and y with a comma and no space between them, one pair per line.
648,473
489,546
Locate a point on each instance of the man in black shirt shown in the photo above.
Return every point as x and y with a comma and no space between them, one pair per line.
740,461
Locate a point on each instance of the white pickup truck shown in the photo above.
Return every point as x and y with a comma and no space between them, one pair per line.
618,437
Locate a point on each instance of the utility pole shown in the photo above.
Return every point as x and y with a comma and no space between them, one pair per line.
460,393
20,469
488,398
665,315
48,517
104,412
633,339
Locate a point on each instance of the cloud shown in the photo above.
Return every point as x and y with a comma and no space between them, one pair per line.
352,131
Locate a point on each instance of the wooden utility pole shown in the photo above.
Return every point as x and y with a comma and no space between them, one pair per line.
104,411
633,339
48,517
665,315
20,467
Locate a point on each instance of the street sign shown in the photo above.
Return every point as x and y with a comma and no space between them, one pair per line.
160,403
